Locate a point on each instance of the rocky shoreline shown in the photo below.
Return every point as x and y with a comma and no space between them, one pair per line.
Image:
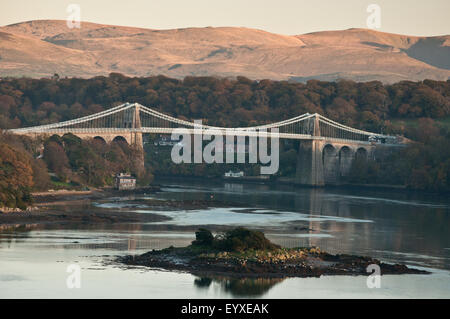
76,207
270,262
300,262
61,195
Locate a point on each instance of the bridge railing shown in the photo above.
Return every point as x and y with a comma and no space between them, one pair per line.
134,117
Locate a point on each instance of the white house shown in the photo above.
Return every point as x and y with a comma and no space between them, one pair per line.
234,174
124,181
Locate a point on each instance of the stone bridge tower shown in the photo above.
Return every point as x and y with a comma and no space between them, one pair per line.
309,158
137,142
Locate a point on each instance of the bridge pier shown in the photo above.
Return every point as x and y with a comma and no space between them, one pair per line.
309,164
330,162
138,159
309,159
346,156
322,162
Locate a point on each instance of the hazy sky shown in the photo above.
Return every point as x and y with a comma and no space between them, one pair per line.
412,17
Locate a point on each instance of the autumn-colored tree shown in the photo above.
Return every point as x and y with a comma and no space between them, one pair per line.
16,177
56,159
41,177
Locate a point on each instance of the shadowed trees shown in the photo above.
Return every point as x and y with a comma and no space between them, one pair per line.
59,162
89,162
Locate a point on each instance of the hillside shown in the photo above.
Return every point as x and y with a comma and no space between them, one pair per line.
41,48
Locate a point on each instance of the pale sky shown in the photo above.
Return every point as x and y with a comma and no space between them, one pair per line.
410,17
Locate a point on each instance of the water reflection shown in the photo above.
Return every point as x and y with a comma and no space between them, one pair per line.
239,287
394,227
406,227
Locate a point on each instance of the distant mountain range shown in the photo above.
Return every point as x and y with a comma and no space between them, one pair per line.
44,47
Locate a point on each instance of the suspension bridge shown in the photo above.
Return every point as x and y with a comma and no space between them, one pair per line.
326,150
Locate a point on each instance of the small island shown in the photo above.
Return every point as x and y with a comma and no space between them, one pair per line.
245,253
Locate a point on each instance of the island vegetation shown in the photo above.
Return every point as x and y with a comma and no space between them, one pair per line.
418,110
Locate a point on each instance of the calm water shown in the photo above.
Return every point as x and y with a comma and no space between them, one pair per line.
394,227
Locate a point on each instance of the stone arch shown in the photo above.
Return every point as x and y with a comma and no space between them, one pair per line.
361,154
345,160
120,139
329,161
99,139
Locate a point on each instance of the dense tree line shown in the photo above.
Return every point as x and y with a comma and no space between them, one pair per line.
227,102
423,165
